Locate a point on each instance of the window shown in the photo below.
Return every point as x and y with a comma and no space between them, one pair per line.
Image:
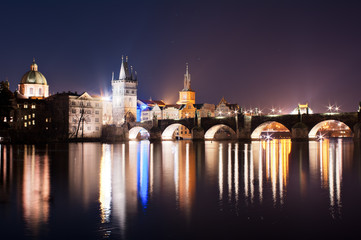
132,91
33,122
25,105
88,120
97,104
189,107
25,124
73,103
96,112
97,128
25,117
89,128
31,91
40,92
96,119
126,91
33,115
88,111
88,104
73,110
29,116
29,123
46,119
81,103
74,120
33,106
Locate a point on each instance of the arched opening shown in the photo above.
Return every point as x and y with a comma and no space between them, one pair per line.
330,129
138,133
220,132
271,130
176,131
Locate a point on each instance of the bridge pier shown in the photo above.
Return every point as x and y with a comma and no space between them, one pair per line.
197,133
299,132
155,133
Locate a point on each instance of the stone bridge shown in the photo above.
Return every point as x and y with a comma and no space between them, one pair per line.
244,127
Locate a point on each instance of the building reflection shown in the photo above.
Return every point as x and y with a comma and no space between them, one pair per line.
326,161
6,171
179,167
35,189
85,160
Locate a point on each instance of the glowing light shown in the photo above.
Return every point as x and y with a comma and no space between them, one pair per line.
105,98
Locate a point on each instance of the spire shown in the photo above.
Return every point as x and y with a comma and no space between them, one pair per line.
136,75
187,79
131,73
126,58
112,76
124,71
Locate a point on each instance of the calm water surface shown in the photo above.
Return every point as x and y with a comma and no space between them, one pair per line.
181,190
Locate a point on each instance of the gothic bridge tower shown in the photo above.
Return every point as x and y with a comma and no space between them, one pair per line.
124,91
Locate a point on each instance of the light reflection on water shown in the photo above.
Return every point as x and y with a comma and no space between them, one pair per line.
135,182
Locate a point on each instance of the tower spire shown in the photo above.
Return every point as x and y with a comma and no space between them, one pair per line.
187,79
124,70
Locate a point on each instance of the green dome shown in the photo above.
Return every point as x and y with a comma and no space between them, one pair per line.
33,76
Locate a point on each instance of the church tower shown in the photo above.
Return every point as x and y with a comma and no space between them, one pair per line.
187,95
124,90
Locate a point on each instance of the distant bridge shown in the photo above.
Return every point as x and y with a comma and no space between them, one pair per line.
245,127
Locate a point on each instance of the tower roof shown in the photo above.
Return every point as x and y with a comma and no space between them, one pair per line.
33,76
124,70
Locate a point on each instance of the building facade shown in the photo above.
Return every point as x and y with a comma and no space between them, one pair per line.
76,116
225,109
124,94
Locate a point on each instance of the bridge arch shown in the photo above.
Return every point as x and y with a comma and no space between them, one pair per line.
211,132
267,126
330,128
135,131
169,132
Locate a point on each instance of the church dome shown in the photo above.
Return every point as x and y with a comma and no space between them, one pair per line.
33,76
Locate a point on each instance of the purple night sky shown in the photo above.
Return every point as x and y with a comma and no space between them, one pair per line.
254,53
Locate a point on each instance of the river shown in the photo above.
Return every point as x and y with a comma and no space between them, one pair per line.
181,190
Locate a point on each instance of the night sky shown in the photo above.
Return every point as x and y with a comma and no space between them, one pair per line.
254,53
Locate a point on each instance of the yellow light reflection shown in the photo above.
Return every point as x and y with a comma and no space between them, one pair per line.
105,184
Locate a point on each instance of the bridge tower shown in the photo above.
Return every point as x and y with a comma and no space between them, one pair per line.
187,95
124,92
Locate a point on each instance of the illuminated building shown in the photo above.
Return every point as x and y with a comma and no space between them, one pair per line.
124,90
205,109
225,109
33,84
187,95
77,116
171,112
302,109
148,109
